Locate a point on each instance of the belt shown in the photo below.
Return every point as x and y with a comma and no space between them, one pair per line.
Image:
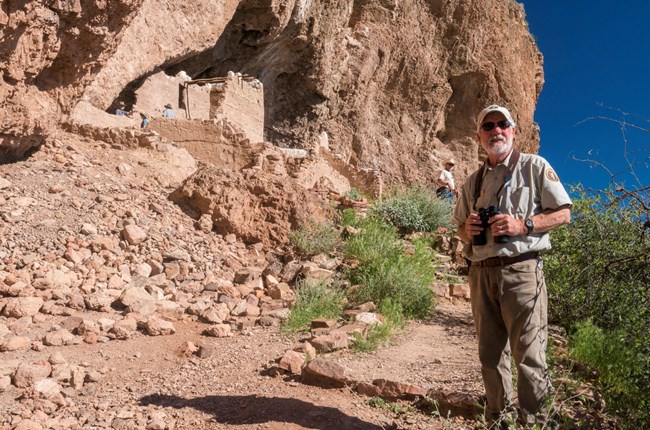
504,261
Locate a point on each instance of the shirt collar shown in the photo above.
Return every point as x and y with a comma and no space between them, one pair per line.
504,162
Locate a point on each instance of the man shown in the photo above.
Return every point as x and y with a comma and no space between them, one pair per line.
446,186
168,112
145,120
507,287
121,110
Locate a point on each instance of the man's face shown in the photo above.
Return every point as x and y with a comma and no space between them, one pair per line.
449,166
496,141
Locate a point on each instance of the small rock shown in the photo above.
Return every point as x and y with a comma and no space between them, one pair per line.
219,330
134,234
460,290
5,382
205,351
28,425
327,373
48,388
14,343
28,373
155,326
88,229
292,361
23,306
59,338
125,328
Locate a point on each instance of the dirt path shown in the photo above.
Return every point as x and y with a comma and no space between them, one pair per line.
439,353
147,377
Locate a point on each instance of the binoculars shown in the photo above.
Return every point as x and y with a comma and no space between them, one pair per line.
485,214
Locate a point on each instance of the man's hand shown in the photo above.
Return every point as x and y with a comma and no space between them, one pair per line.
506,225
472,227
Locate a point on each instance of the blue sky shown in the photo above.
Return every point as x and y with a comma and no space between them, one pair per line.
596,64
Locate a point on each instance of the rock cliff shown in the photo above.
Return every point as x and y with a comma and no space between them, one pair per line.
392,85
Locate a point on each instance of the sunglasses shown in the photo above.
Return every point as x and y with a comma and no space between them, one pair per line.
489,126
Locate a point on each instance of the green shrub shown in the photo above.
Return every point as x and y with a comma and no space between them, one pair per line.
598,271
392,407
414,209
598,267
387,272
354,194
314,300
348,218
376,238
315,238
624,372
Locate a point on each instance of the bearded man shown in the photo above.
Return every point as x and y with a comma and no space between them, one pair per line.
504,213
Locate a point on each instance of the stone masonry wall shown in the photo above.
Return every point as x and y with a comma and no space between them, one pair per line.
219,144
241,102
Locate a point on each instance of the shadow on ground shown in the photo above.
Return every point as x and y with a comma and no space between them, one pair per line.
240,410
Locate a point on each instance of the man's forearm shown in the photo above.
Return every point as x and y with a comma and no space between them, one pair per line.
551,218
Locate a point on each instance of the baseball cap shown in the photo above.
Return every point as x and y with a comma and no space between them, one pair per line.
490,109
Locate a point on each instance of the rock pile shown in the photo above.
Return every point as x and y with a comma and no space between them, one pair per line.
91,253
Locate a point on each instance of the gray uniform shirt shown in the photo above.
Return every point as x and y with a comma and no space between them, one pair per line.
533,188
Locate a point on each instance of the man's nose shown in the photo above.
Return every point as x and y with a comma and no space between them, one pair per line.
497,129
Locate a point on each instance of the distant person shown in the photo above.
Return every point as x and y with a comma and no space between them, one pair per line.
504,214
121,110
168,112
446,186
145,120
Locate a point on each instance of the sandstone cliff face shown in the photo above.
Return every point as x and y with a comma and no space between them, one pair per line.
394,84
49,50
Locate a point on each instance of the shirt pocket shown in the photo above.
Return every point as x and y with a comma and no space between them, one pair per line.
517,202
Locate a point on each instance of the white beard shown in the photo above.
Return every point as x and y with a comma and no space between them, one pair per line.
499,147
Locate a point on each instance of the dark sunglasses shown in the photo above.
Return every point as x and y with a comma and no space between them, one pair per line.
489,126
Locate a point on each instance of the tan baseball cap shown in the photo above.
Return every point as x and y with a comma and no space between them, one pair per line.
490,109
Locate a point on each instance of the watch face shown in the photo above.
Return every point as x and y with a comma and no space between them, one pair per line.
529,225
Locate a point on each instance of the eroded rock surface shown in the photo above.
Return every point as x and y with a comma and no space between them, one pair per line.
395,85
252,204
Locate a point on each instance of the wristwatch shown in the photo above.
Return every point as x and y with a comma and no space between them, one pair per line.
530,225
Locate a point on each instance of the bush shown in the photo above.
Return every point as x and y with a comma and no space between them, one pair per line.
354,194
598,271
386,271
314,300
414,209
315,238
623,372
348,218
598,267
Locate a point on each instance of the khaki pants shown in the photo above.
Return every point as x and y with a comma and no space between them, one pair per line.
509,304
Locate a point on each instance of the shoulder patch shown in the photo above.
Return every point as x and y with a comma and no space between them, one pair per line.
552,176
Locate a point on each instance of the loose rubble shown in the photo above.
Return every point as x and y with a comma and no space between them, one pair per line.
94,254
